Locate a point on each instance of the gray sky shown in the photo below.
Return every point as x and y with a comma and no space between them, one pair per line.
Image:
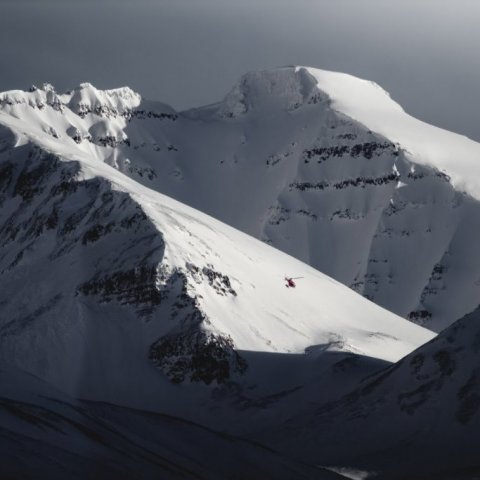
190,52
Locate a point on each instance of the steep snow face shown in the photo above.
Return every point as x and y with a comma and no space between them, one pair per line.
419,418
103,279
323,166
369,104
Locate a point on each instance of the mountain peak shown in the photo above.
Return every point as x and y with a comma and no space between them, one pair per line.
364,101
84,99
291,87
369,104
48,87
87,98
125,92
285,88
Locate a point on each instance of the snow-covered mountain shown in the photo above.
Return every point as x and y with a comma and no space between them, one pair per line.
151,310
419,418
113,292
102,280
322,165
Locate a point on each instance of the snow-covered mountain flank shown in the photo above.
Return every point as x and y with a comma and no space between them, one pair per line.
101,274
138,273
111,291
321,165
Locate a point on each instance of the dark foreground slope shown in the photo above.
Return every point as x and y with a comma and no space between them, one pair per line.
45,434
419,418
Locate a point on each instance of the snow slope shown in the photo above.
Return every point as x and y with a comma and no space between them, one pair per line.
321,165
426,144
419,418
102,280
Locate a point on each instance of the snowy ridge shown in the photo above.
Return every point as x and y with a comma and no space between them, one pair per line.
367,103
82,100
390,212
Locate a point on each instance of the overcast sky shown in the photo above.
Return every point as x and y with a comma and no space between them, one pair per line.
190,52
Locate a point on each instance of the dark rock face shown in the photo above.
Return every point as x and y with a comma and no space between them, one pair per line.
361,182
142,114
110,141
76,215
197,356
191,352
219,282
419,316
128,287
366,150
